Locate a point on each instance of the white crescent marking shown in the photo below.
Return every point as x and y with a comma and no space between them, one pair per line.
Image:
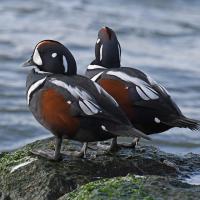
87,107
142,94
75,91
94,78
65,62
150,93
101,51
33,87
36,57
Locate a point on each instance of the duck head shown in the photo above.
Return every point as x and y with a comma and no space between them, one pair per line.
52,56
107,49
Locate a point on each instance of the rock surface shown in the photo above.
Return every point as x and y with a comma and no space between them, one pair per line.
28,177
135,188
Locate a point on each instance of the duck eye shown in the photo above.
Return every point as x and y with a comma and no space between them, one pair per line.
54,55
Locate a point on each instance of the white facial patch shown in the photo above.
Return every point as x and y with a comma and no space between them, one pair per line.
101,51
36,57
65,62
157,120
53,55
33,87
144,89
98,40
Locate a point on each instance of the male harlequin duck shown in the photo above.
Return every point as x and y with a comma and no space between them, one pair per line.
146,103
69,105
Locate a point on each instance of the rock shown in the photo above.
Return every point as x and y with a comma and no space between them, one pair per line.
128,187
28,177
135,188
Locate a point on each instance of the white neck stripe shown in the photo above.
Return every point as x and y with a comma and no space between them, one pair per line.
95,67
33,87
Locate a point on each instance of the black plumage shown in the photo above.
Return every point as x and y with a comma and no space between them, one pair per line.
147,104
69,105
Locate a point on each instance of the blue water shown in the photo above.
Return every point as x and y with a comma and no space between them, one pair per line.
160,37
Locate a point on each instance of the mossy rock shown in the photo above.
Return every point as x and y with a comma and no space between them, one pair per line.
135,188
24,176
123,188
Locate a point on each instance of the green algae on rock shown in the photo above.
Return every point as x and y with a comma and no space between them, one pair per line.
135,188
128,187
26,176
9,160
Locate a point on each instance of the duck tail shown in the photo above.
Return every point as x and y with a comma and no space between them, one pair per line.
184,122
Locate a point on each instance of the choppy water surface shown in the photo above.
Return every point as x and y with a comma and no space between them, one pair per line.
158,36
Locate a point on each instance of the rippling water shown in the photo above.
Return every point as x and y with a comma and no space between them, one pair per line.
160,37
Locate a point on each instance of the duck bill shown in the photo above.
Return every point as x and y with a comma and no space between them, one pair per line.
28,63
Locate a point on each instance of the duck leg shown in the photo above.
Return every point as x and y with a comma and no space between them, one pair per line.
49,154
113,147
57,154
78,154
82,152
